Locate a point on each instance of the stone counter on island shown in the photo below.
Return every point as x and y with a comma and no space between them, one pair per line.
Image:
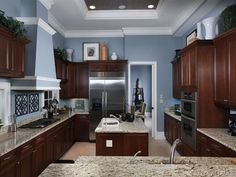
92,166
126,139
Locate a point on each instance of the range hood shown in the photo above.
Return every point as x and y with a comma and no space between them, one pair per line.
40,71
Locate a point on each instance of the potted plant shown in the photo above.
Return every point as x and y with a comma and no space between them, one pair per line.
15,26
227,19
60,53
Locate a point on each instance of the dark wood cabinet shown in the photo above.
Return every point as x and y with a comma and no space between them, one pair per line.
82,127
107,66
77,85
26,160
188,69
211,148
9,164
225,69
61,69
176,79
119,144
12,54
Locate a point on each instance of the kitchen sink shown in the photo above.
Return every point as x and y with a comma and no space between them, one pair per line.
110,122
40,123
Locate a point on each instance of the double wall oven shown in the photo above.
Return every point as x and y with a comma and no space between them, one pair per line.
189,118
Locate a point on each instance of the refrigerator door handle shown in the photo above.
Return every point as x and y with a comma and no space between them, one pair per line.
106,104
103,106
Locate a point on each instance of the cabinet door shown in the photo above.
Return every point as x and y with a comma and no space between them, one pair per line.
192,68
221,72
61,69
26,160
176,67
4,55
116,67
82,128
134,142
50,143
232,70
9,165
184,70
83,81
97,66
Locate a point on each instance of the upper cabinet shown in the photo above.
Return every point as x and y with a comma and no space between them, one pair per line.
12,54
225,69
61,69
107,66
176,72
188,68
77,85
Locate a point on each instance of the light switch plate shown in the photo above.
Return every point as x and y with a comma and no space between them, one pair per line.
108,143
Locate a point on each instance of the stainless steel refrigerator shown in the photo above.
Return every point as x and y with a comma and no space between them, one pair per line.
107,95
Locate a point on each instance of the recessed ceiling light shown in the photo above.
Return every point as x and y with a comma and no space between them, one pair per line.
92,7
121,7
150,6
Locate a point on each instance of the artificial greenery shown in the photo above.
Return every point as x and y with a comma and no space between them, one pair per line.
15,26
60,53
227,19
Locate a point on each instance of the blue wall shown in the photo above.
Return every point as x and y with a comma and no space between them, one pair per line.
11,7
114,45
58,40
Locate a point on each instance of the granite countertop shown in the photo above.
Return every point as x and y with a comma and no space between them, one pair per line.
137,126
101,166
172,114
12,140
220,135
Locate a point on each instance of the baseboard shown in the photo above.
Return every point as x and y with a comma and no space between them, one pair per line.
160,136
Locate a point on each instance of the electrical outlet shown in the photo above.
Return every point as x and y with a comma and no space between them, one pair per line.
108,143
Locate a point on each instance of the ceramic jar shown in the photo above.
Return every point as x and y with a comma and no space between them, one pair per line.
104,51
199,31
210,25
69,54
114,56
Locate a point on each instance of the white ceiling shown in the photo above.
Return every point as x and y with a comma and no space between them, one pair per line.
72,18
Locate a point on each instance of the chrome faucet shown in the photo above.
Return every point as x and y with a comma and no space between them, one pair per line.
172,151
133,159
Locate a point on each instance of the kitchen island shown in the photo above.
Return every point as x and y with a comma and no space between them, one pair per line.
143,167
125,139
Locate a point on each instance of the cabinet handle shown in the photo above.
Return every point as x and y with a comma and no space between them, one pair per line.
225,100
26,147
7,158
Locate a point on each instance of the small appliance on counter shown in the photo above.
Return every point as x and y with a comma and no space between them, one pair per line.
177,110
232,123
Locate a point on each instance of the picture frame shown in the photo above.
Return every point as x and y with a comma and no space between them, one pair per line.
191,37
91,51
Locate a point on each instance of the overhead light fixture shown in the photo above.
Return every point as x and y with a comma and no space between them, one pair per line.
122,7
92,7
150,6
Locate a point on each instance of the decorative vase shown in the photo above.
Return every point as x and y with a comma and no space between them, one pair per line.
114,56
210,27
69,54
199,30
104,50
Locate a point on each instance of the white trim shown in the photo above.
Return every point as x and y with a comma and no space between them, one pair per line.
160,135
147,31
82,7
34,88
37,21
41,78
94,33
154,90
56,24
121,14
47,3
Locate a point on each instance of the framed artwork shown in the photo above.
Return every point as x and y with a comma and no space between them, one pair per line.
91,51
191,37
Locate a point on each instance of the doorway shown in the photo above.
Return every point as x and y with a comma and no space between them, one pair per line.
143,70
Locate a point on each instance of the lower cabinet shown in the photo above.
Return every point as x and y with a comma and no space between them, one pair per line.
82,127
210,148
31,158
121,144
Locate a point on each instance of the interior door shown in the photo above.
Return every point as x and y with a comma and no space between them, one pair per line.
114,96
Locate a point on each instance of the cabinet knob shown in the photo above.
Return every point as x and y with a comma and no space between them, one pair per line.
225,100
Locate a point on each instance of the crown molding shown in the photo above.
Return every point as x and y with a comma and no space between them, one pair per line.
93,33
37,21
47,3
147,31
56,24
82,7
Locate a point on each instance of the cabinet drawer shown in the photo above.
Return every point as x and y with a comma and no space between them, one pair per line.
97,67
115,67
